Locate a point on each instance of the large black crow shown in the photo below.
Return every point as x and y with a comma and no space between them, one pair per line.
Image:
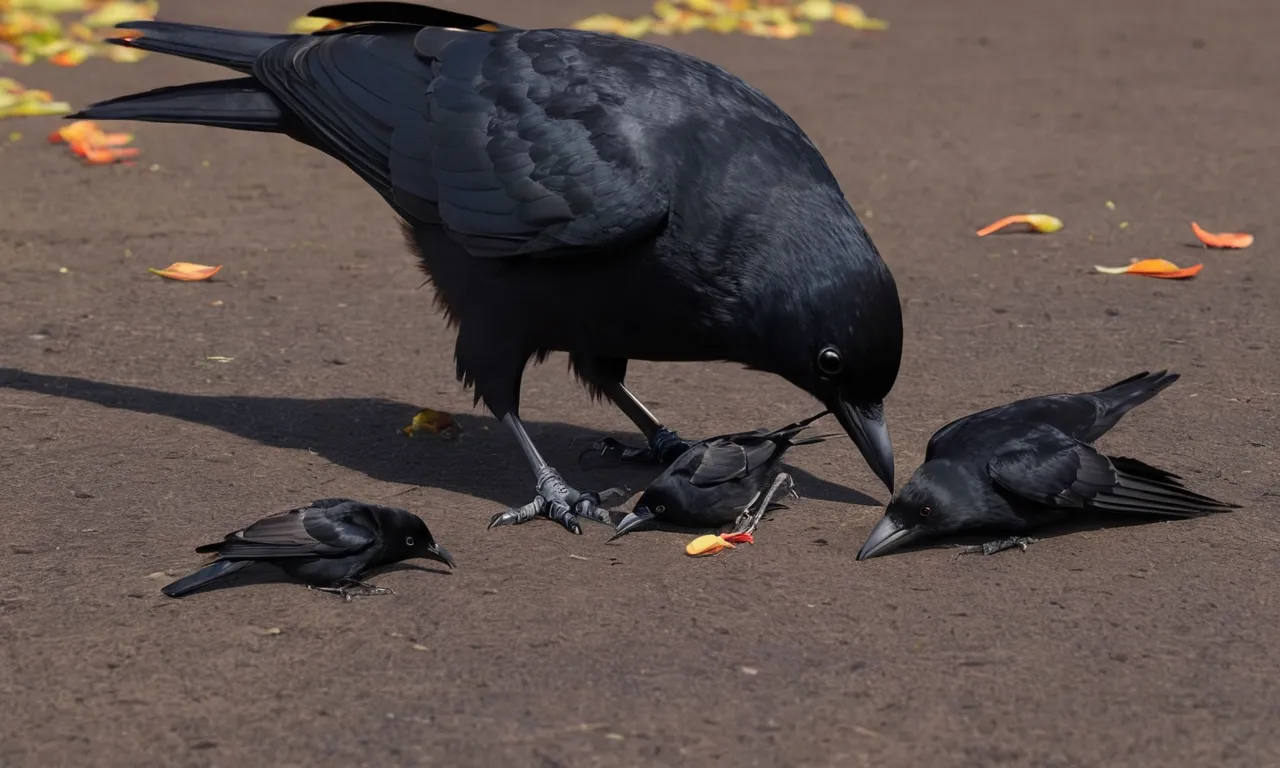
1019,466
578,192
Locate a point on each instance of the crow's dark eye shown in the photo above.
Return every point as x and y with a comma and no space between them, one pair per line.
829,361
925,511
659,509
408,540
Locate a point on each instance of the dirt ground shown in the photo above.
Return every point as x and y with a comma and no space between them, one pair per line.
122,446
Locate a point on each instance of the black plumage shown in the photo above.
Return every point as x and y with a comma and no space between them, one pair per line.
327,544
721,480
578,192
1019,466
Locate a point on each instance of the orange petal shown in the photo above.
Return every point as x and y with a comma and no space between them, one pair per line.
186,272
433,422
77,131
1038,222
104,155
1153,268
738,538
1222,239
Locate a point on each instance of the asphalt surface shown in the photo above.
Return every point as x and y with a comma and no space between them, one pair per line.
123,445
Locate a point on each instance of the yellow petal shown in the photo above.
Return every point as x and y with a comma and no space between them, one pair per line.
186,272
305,25
116,12
434,423
706,545
601,22
815,10
854,17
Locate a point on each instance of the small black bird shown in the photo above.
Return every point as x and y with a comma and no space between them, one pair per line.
327,544
719,481
578,192
1019,466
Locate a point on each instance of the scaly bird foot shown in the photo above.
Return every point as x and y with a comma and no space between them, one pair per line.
351,588
663,448
749,520
561,503
999,545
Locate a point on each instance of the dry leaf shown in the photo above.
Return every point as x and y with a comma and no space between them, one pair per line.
1153,268
1222,239
186,272
434,423
1038,222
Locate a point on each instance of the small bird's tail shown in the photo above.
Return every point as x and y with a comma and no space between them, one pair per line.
228,48
787,434
1142,489
210,573
241,103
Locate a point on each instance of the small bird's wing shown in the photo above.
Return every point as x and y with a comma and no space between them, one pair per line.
343,529
513,141
1051,468
722,461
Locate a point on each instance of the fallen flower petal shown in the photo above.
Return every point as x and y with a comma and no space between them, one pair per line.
1039,222
1153,268
433,422
186,272
706,545
854,17
738,538
1222,239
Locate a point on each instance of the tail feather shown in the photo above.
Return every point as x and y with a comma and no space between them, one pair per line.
242,104
228,48
1142,489
212,572
405,13
1128,393
789,432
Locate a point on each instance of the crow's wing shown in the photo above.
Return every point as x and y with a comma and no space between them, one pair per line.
339,530
1051,468
980,432
513,141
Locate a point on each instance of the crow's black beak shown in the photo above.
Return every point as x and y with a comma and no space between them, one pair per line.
440,555
640,519
887,536
866,427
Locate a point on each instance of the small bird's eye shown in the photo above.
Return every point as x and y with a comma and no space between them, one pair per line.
659,509
829,361
925,511
408,541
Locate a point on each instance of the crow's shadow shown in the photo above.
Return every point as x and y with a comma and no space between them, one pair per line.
363,434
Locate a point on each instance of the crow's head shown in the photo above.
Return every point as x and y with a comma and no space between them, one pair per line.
834,328
936,501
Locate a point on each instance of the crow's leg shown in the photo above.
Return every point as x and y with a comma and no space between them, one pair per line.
999,545
555,499
346,589
749,520
604,376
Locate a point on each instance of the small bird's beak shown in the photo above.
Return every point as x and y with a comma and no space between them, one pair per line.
887,536
440,555
640,518
871,436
